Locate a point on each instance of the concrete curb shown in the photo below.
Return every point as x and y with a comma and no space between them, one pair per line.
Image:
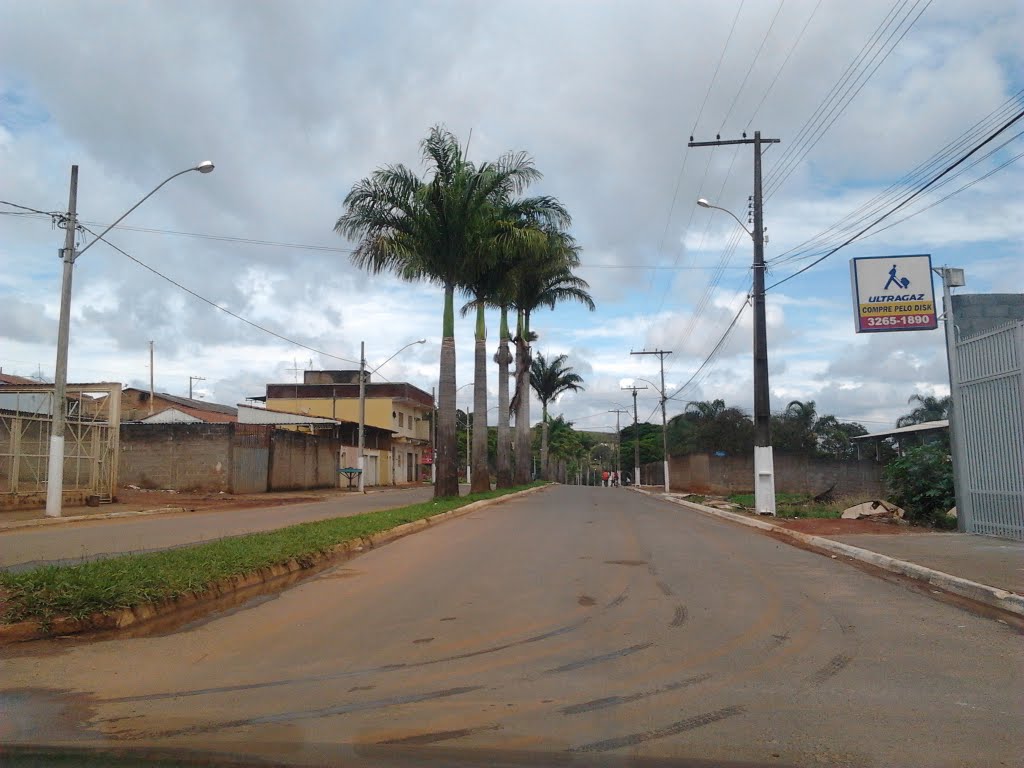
237,589
1002,599
79,518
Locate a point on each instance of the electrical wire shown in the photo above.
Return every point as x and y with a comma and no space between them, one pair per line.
906,200
213,304
750,69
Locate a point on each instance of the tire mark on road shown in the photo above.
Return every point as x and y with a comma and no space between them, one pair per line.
572,666
835,665
689,724
620,599
614,701
436,736
679,617
666,590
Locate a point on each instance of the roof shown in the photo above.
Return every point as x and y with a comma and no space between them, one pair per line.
400,391
250,414
926,426
7,378
171,416
187,402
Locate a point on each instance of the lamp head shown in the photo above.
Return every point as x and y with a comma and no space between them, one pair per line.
205,167
703,203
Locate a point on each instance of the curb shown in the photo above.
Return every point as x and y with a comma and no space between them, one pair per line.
994,597
79,518
230,589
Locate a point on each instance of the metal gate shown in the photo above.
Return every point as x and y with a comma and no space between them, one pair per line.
990,396
250,457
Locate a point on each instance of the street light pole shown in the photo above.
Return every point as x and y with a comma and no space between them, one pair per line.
664,419
764,463
636,437
55,463
362,416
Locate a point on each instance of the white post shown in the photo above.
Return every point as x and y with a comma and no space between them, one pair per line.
362,416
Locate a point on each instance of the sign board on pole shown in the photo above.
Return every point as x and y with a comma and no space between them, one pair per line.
893,293
428,456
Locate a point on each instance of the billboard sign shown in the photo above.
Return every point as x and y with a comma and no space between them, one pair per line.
893,293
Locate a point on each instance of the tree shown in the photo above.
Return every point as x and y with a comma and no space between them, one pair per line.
710,426
834,437
929,408
518,228
550,380
542,278
793,430
921,481
431,230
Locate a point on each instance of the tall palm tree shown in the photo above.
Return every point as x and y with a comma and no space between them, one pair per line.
543,278
516,226
929,408
549,380
705,409
430,230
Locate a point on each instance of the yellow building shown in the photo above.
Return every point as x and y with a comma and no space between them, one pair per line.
400,407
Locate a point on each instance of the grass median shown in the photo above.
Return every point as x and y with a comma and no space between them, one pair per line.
129,580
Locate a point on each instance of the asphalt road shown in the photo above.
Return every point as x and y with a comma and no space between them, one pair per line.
92,539
579,626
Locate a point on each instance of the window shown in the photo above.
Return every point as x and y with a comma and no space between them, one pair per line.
401,419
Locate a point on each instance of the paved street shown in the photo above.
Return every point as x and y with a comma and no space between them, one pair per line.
576,624
90,539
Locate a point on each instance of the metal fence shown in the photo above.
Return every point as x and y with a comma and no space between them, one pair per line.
990,396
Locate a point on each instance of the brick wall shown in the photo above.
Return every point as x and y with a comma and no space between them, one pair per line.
182,457
706,473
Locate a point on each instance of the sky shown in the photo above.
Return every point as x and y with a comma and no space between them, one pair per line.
295,102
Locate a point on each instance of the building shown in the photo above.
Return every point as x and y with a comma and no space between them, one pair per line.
135,406
402,408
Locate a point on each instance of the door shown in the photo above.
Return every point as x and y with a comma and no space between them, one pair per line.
409,468
371,471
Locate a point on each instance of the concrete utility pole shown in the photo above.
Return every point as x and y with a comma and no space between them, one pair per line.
764,464
362,416
636,437
954,278
190,380
55,469
664,420
618,442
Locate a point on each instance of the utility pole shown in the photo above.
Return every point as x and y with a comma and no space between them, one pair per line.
618,442
55,469
151,374
664,420
636,437
764,464
190,380
362,416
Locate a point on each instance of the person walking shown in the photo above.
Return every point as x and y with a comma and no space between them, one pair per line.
604,478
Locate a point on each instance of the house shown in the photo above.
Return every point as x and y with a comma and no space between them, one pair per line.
135,406
401,408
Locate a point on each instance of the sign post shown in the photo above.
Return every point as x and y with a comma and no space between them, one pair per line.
893,293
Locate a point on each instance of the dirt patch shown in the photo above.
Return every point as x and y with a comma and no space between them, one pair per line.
823,527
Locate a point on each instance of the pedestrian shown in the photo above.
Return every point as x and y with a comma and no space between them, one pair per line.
604,478
615,479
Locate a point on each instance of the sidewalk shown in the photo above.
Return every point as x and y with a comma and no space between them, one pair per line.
983,568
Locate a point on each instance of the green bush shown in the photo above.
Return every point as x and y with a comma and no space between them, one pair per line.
921,481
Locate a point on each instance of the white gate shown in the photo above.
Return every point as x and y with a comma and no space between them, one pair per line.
990,397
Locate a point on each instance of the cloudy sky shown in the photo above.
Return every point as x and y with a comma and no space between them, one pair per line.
296,101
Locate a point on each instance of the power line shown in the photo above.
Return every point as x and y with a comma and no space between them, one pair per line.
213,304
753,62
714,352
905,201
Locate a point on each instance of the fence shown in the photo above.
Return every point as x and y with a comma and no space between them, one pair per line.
990,396
233,458
90,442
725,475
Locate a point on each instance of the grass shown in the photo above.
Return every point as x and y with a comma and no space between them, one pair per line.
130,580
792,505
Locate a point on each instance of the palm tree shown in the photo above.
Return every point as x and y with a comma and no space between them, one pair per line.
543,278
930,408
431,230
549,380
705,409
515,226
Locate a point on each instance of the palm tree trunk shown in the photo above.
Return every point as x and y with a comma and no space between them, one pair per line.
447,471
503,359
481,472
523,441
545,471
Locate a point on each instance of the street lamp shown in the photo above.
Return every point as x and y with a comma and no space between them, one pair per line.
764,462
362,403
55,469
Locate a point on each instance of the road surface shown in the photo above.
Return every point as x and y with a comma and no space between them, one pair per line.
578,626
22,548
